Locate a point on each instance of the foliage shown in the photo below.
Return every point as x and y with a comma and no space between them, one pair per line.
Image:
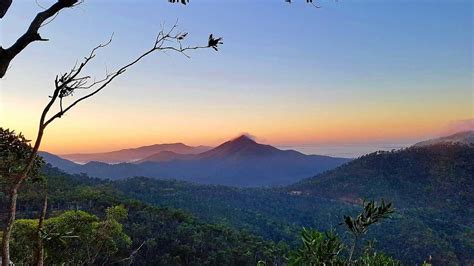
430,187
317,249
371,214
74,237
160,236
371,257
15,151
325,249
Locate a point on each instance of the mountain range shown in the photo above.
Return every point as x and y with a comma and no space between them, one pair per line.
238,162
430,186
134,154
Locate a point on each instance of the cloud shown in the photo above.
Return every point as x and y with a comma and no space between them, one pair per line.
248,135
458,126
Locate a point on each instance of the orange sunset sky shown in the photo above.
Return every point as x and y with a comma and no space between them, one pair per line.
356,72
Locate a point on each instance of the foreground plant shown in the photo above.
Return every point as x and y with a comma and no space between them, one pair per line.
358,226
326,248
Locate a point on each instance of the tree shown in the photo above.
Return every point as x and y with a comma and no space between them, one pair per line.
74,237
16,155
68,83
72,81
42,18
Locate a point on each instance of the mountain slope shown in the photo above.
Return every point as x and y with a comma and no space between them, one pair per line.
239,162
165,156
440,176
58,162
134,154
431,188
167,236
466,137
240,147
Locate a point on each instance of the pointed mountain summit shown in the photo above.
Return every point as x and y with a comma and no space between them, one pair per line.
242,146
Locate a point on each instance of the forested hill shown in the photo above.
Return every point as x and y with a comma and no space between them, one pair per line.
438,176
159,235
431,188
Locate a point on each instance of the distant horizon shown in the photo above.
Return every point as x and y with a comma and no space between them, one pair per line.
336,149
343,150
350,72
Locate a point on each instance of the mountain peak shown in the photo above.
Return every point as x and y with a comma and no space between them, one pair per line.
243,139
242,146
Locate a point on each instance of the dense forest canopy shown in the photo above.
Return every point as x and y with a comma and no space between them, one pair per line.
271,219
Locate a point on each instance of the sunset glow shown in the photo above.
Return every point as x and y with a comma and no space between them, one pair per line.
327,87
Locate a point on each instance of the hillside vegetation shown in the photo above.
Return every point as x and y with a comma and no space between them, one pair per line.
431,188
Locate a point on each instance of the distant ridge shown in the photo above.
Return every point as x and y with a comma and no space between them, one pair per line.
241,146
465,137
239,162
134,154
165,156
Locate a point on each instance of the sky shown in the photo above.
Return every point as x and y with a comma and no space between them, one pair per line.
349,73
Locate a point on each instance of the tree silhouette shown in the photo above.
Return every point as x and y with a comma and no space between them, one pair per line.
74,80
40,20
68,83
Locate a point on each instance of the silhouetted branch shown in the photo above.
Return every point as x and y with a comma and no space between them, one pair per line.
44,18
4,6
69,82
132,255
31,35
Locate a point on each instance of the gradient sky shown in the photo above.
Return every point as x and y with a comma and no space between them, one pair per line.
350,72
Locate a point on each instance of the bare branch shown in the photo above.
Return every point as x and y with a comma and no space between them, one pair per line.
132,255
31,35
69,82
4,6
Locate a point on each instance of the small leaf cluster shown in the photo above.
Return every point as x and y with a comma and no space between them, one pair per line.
371,214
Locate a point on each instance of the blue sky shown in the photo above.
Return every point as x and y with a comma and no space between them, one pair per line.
287,73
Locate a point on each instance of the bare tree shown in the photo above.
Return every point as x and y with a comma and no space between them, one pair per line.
67,84
41,19
70,82
31,34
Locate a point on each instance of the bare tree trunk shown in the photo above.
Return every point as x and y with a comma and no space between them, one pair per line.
7,230
349,261
40,246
